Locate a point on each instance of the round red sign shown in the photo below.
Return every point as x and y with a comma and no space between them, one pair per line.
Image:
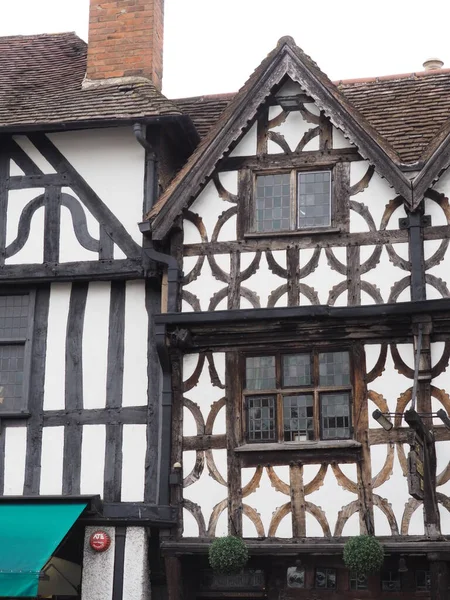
100,541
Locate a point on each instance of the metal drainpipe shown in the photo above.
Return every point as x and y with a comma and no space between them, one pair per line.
173,279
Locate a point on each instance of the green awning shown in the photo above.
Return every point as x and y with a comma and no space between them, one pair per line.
29,534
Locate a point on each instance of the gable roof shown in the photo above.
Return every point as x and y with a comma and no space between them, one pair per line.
41,84
410,110
285,59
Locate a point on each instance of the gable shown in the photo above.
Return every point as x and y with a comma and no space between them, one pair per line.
286,61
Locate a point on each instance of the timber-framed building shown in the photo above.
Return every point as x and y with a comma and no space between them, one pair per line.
202,302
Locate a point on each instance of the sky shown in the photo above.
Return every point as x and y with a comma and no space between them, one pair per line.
212,46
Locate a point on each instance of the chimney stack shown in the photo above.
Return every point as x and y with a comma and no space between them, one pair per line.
433,64
125,40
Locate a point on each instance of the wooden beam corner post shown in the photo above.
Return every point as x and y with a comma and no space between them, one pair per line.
233,421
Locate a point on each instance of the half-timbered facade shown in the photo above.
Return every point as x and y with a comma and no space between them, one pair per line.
312,237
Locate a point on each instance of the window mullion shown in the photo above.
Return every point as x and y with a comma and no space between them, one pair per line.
294,216
279,417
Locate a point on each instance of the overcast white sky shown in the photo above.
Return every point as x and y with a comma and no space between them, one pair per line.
212,46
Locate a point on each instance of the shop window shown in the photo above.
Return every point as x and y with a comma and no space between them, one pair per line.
296,577
298,397
390,581
326,579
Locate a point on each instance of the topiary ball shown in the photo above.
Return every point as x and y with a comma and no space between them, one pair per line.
363,554
228,555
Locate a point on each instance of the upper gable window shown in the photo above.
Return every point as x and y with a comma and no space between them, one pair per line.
293,201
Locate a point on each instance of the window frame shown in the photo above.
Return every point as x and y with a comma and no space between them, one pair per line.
279,392
294,173
27,342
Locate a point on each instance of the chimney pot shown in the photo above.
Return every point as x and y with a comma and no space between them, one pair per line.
433,64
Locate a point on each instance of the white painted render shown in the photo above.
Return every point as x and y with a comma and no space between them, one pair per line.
293,129
69,247
30,150
33,250
113,167
92,459
339,139
55,361
134,448
52,461
135,344
98,568
136,580
95,344
15,454
247,145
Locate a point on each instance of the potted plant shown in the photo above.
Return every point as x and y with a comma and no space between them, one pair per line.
228,555
363,554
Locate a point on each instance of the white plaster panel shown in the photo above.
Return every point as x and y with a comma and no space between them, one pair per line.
391,273
92,459
113,166
442,460
436,213
263,282
207,493
265,500
293,129
134,447
339,139
290,88
136,581
52,461
98,568
70,249
135,346
55,360
331,497
324,278
209,206
205,286
247,145
229,180
33,250
274,111
442,381
14,169
95,344
375,196
15,453
441,271
204,394
191,234
391,383
33,153
445,519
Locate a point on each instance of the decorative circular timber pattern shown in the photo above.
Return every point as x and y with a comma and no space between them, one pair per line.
368,288
224,193
442,363
196,512
212,468
311,265
395,258
386,470
399,363
215,408
398,288
195,271
317,481
223,218
386,508
197,221
197,469
442,201
277,517
255,518
192,381
342,479
278,483
380,365
344,515
254,482
438,284
213,374
305,290
412,505
216,512
410,508
191,299
276,269
196,413
312,509
243,293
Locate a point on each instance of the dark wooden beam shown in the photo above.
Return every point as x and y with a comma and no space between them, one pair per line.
288,161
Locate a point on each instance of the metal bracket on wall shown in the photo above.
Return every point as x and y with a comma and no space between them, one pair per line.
405,222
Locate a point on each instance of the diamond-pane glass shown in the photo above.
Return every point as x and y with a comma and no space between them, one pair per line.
260,373
298,418
335,415
11,377
334,368
314,199
273,202
296,370
14,316
261,418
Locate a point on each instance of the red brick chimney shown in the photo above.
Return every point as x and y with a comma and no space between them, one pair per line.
125,40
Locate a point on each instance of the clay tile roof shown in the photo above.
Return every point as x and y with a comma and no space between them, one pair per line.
407,110
41,83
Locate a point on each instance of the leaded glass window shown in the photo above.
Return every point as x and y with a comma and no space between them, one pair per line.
390,581
326,579
295,577
292,201
14,336
358,581
298,397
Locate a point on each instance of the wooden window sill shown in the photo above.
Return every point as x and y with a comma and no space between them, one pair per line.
303,452
294,233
